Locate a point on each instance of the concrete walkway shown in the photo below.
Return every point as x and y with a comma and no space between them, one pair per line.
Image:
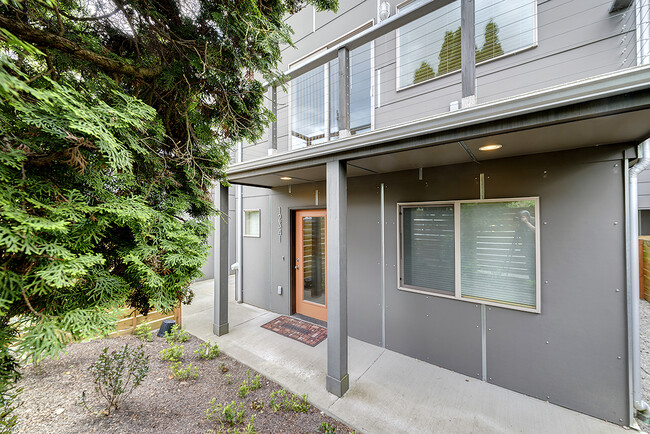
389,392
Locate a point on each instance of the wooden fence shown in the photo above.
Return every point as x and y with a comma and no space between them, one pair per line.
130,320
644,267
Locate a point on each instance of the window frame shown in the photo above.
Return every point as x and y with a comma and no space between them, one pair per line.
534,44
457,253
259,223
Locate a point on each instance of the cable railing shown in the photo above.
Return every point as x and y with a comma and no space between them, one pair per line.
408,67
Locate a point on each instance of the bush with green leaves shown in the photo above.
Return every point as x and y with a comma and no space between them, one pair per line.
177,334
281,400
173,353
181,373
326,428
249,384
116,375
207,351
143,331
9,402
226,414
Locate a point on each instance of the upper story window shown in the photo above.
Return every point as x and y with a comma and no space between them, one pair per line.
430,46
314,100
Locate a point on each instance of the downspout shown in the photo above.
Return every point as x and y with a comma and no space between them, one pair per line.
239,234
633,278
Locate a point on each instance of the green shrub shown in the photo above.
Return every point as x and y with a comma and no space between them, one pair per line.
143,331
181,373
9,402
249,384
207,350
172,354
281,400
326,428
116,375
177,334
230,414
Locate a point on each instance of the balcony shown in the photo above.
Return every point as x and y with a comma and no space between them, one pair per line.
412,69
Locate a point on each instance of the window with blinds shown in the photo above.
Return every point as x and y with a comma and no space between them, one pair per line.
428,248
484,251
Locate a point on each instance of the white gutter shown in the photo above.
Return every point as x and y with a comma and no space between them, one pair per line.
633,279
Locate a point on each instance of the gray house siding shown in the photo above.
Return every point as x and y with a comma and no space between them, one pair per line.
644,190
255,257
583,316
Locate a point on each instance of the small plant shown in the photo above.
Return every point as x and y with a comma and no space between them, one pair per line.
326,428
207,351
249,384
230,414
9,402
116,375
281,400
177,334
223,368
257,405
181,373
228,379
249,428
173,353
143,331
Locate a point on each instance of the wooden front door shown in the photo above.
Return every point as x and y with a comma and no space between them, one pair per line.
310,264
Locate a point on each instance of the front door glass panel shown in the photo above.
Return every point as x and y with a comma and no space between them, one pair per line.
313,253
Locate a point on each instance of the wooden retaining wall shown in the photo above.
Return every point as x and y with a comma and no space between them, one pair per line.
129,320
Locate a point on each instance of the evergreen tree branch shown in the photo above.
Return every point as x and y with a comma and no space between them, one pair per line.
49,40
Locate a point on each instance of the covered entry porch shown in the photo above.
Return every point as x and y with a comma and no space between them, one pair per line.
445,152
389,392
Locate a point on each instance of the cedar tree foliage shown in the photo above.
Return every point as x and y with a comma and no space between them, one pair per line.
116,118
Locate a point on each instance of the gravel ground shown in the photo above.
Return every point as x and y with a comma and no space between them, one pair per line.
160,404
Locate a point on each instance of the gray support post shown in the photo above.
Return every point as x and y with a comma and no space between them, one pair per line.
337,279
344,92
220,324
468,55
273,131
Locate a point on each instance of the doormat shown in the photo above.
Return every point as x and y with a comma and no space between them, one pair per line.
301,331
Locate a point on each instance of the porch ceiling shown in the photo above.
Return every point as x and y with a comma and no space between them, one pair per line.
601,111
631,127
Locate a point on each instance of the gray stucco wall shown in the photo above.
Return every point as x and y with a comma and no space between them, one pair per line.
583,316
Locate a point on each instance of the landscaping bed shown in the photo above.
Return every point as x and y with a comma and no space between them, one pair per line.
161,404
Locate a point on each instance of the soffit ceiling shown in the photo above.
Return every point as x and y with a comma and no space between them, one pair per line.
630,127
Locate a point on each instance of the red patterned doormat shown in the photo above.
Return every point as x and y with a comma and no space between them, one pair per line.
301,331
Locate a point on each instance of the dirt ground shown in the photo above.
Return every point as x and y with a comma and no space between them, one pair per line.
160,404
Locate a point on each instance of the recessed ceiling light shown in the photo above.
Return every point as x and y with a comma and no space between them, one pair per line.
492,147
286,178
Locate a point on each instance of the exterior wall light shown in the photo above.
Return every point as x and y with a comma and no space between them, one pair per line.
286,178
384,11
492,147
